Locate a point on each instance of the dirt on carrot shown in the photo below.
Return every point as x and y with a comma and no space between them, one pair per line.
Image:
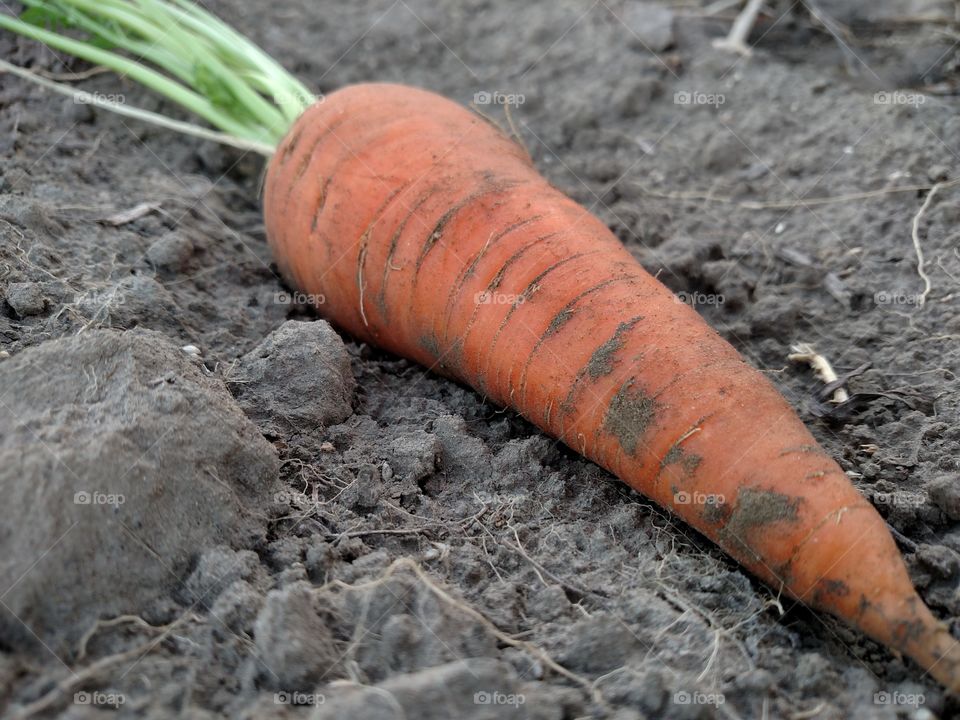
601,362
755,508
630,415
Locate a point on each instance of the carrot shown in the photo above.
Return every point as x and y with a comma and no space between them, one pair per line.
430,234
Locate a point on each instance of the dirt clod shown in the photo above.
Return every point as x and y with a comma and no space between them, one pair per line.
120,461
294,643
25,298
478,688
170,253
298,378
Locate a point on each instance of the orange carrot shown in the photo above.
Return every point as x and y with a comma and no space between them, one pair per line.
430,234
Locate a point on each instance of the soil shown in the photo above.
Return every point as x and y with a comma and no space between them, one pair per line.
215,506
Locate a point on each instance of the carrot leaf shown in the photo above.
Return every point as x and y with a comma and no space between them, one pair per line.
179,50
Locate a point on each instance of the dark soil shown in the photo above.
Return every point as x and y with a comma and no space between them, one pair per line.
269,521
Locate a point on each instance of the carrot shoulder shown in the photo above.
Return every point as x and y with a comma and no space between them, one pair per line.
430,234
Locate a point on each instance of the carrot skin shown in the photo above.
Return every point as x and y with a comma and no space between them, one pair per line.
430,234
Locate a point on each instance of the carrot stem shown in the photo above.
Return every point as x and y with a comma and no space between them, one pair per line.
198,61
184,128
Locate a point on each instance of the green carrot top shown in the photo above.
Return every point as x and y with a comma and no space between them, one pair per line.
180,51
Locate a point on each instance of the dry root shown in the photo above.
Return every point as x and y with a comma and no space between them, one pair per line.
821,367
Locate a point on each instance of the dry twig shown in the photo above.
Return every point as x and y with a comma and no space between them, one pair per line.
821,367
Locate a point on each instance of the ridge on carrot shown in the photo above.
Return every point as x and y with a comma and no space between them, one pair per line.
431,234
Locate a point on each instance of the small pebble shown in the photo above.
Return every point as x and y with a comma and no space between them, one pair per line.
170,253
722,152
26,298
